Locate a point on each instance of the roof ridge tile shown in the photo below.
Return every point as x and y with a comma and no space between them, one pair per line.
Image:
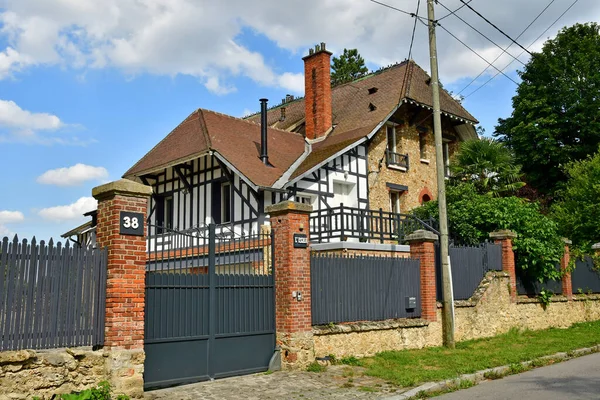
245,120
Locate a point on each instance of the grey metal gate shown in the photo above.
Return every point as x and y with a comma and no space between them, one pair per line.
210,305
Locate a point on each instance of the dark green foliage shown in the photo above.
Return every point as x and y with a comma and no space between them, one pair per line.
316,367
101,392
556,111
577,210
472,216
489,165
350,360
347,67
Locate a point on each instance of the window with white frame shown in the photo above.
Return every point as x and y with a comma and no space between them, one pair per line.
303,198
225,202
391,138
423,145
395,202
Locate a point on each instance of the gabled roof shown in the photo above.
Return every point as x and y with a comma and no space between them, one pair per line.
360,106
236,140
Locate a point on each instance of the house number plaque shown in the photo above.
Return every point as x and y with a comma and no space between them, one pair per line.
300,240
131,223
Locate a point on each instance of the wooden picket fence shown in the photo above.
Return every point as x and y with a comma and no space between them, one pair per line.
51,295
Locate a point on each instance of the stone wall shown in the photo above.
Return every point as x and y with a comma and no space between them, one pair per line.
28,373
42,373
488,313
421,175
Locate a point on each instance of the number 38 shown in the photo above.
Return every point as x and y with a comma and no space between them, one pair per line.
129,222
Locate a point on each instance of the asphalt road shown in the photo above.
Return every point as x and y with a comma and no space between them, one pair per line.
574,379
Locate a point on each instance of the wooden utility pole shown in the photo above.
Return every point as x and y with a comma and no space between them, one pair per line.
448,317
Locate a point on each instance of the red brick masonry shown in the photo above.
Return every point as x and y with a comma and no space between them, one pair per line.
124,322
505,238
292,268
422,248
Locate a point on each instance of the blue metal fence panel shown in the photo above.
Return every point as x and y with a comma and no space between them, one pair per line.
585,277
210,306
363,288
469,266
532,288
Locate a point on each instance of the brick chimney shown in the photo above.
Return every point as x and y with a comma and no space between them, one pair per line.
317,91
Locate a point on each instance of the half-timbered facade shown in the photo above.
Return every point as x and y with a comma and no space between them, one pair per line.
361,148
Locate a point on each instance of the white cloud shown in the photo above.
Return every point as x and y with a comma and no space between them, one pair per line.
9,217
19,125
72,176
206,39
292,82
13,116
70,211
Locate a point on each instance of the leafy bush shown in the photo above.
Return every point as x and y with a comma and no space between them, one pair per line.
472,216
578,209
101,392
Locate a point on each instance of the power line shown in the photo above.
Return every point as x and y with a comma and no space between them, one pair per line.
452,12
476,30
412,39
489,22
395,9
504,51
477,54
532,43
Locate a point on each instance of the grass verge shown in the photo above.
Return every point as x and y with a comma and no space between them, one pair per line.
412,367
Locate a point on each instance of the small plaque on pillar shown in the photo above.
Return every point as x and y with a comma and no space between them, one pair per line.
131,223
300,240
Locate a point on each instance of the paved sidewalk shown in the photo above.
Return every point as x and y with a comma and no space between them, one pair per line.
338,382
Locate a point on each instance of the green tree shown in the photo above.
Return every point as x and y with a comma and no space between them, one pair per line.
577,209
472,216
556,111
348,66
489,165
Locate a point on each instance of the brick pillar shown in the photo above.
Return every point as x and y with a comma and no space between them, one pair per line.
422,248
292,275
504,238
567,284
125,286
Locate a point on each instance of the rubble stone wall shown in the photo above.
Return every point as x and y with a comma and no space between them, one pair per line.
488,313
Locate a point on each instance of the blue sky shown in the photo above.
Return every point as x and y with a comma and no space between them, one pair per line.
87,87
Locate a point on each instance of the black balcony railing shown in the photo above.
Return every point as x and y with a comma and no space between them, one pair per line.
396,160
341,223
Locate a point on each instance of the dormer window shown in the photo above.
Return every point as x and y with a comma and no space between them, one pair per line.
373,90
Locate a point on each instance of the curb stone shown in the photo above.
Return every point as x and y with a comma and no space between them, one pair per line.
478,376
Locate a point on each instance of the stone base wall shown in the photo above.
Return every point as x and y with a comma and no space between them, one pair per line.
488,313
297,349
42,373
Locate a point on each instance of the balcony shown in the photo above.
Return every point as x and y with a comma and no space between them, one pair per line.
396,161
343,223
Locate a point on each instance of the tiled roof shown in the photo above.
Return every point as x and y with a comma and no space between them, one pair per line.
237,140
357,111
358,108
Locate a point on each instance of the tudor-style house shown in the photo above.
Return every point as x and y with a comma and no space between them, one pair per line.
361,153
